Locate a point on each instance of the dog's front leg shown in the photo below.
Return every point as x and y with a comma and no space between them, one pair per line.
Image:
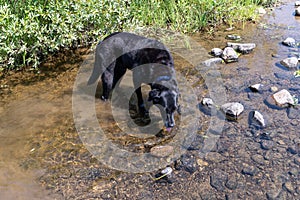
142,109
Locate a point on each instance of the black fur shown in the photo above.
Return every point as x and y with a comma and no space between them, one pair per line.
121,51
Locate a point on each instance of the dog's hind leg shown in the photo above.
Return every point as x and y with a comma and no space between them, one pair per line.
142,109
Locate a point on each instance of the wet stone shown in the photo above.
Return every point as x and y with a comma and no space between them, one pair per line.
267,144
218,180
290,63
229,55
291,42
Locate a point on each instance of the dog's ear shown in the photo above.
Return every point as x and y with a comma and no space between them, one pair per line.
153,94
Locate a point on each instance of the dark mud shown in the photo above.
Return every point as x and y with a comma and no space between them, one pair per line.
43,157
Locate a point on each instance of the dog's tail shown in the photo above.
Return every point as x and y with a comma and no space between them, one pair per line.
95,75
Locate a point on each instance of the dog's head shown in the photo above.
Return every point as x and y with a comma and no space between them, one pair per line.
168,104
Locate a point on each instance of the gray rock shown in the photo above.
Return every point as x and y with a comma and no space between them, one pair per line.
229,55
290,63
256,87
216,52
283,98
291,42
259,159
297,11
257,119
233,109
240,47
213,61
231,183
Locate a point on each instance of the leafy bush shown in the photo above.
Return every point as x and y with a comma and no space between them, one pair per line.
31,29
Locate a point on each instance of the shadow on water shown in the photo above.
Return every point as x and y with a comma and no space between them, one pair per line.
41,154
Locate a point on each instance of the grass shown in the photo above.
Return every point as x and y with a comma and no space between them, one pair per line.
32,29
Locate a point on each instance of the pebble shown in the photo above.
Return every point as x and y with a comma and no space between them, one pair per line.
187,162
233,37
231,183
294,172
283,98
207,102
293,113
291,42
292,149
162,151
267,144
214,157
274,89
261,11
297,160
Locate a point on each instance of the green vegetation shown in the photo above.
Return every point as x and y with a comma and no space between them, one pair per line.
31,29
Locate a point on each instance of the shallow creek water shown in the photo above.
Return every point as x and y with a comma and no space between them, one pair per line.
42,157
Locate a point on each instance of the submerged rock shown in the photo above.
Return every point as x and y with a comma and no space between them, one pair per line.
291,42
230,55
232,110
283,98
212,61
162,151
216,52
243,48
290,63
208,102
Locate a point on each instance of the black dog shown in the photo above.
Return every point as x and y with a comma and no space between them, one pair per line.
121,51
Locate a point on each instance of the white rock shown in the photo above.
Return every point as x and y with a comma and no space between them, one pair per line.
216,52
283,98
291,62
208,102
230,55
297,11
233,109
297,3
259,118
289,42
256,87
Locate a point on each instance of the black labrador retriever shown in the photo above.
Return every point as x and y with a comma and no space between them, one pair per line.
121,51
